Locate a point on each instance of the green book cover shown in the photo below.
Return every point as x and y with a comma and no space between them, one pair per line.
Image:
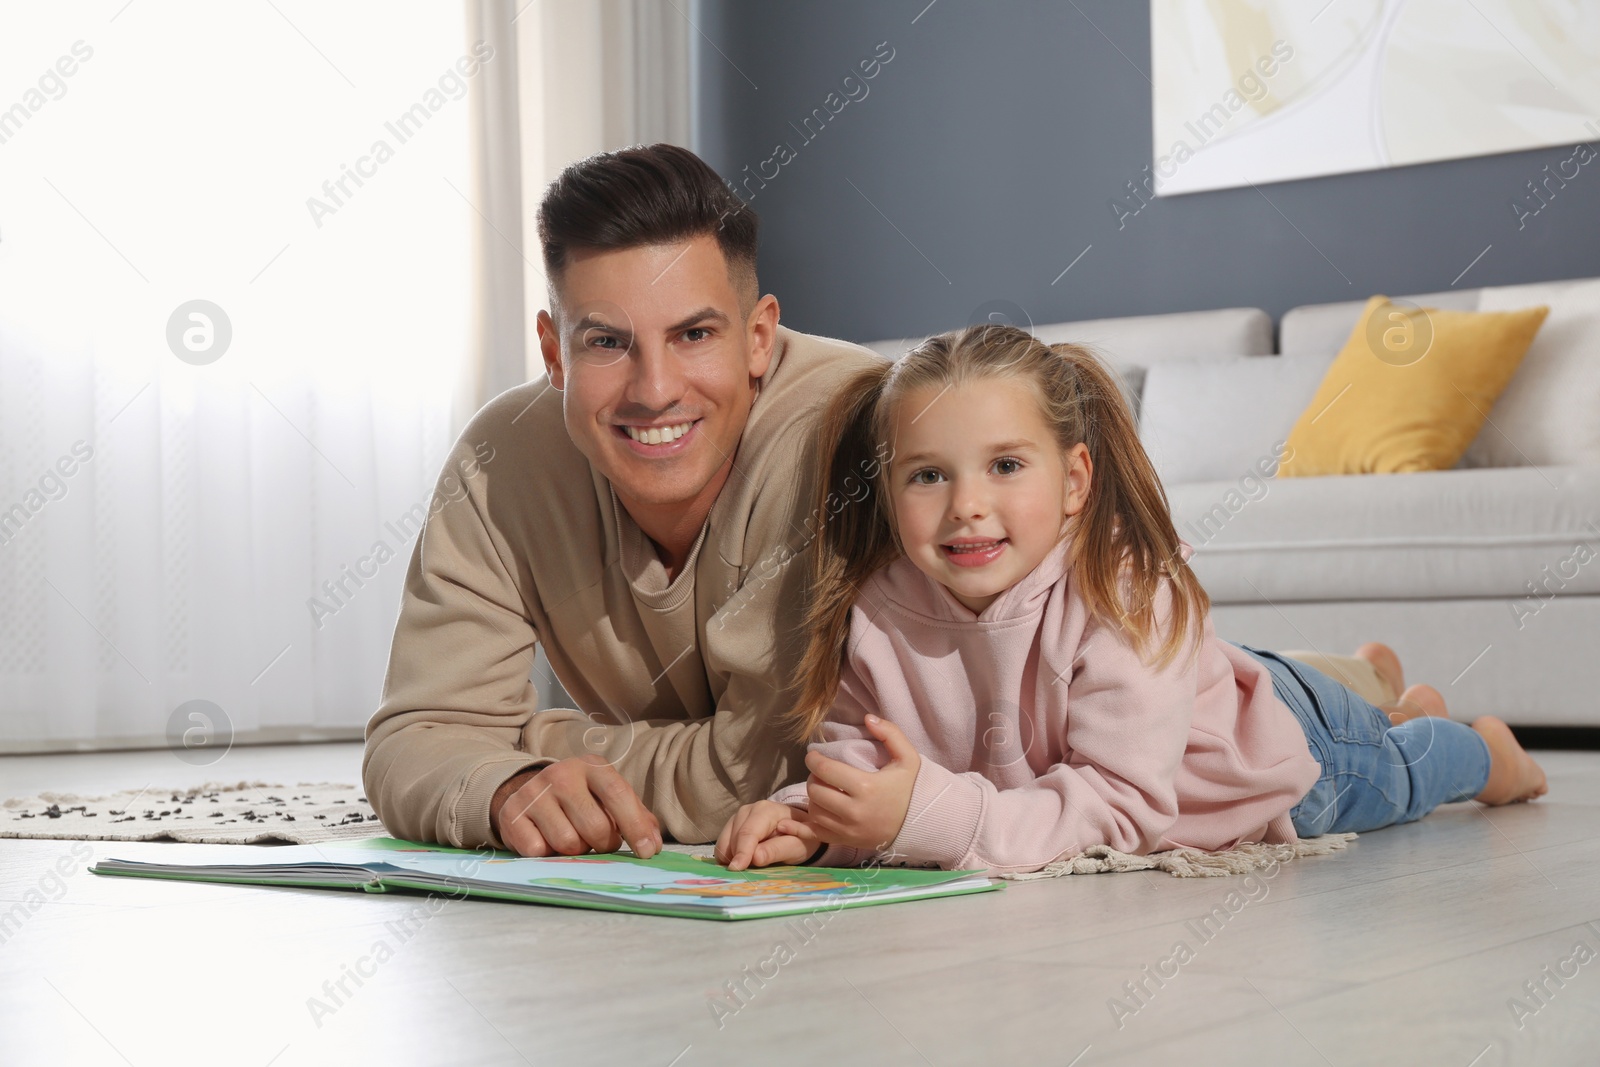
669,883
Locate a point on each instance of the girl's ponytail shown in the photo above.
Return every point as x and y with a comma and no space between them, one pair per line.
853,538
1124,545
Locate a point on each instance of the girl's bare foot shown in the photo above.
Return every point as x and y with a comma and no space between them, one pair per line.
1513,775
1385,662
1416,701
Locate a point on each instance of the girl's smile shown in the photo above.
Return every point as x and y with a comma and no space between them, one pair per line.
974,552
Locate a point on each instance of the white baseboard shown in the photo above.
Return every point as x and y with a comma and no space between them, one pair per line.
276,735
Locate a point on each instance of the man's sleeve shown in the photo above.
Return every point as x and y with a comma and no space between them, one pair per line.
459,716
691,774
456,696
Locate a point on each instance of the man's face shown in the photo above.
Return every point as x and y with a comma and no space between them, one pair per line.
657,366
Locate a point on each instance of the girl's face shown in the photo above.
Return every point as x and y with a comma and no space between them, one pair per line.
979,487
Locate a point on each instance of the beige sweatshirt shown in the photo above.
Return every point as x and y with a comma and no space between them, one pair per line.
678,682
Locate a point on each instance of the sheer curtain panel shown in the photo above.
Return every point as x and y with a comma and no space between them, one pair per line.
238,327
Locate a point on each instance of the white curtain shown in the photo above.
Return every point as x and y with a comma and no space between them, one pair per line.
199,551
231,531
596,76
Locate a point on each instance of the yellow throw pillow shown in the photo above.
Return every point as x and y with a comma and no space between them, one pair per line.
1409,390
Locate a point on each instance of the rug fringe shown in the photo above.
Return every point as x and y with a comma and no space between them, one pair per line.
1189,862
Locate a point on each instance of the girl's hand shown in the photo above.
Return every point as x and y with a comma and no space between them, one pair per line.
752,837
863,809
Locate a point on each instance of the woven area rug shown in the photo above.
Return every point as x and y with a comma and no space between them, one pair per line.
242,813
219,813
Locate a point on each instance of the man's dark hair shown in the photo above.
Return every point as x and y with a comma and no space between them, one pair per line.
647,195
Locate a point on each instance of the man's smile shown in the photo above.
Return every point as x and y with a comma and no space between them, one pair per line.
664,439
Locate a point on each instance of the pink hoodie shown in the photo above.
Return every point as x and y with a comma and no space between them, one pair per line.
1041,732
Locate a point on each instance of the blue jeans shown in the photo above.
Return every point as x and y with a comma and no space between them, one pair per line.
1374,774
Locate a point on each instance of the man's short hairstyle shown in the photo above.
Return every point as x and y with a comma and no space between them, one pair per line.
646,195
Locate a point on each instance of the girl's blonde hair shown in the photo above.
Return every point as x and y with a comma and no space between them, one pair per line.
1123,541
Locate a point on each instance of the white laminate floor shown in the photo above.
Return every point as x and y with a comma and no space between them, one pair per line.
1415,946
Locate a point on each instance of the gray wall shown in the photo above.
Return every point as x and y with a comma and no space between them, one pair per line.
993,143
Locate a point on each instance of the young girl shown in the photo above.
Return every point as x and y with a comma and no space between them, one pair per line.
1010,659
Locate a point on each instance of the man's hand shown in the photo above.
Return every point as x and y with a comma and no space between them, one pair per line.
570,807
863,809
766,833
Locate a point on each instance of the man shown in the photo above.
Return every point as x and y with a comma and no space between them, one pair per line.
638,514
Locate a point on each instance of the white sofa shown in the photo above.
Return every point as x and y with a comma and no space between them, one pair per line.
1486,578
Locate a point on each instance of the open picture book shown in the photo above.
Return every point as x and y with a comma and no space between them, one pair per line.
669,883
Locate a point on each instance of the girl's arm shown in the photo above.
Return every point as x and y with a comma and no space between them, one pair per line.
844,738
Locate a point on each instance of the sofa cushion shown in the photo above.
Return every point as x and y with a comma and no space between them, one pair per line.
1409,390
1150,339
894,347
1550,413
1142,340
1215,419
1324,327
1459,533
1129,345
